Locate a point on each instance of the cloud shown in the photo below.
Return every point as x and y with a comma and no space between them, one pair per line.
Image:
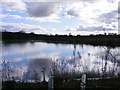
46,8
99,28
10,5
108,17
72,13
90,1
37,65
86,30
51,18
59,1
8,16
119,8
41,9
15,27
70,29
81,28
89,12
90,29
41,30
90,15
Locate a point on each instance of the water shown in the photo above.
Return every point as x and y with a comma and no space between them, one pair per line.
23,57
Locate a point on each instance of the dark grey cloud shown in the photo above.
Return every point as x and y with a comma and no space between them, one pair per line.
108,17
72,13
118,9
41,9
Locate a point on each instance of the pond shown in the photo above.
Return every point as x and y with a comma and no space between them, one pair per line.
29,57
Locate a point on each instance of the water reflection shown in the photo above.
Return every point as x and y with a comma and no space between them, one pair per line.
29,59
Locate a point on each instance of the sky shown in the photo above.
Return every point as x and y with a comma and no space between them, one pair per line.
78,17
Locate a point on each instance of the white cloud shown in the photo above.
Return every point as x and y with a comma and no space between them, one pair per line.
83,30
70,29
86,30
15,27
52,18
9,16
89,12
63,1
13,5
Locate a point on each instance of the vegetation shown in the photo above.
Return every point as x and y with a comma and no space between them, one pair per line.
67,80
12,85
65,83
64,79
107,40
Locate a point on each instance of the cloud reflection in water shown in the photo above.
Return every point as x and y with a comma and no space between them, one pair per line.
20,55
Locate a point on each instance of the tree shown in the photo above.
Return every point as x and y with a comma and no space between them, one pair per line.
21,31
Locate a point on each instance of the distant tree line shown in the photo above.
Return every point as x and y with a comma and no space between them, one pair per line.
107,40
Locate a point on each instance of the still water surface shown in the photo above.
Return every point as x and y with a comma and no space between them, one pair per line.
21,55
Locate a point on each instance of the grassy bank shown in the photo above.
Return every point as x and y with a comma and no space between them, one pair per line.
65,84
12,85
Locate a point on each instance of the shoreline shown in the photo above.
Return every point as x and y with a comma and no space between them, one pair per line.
95,40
